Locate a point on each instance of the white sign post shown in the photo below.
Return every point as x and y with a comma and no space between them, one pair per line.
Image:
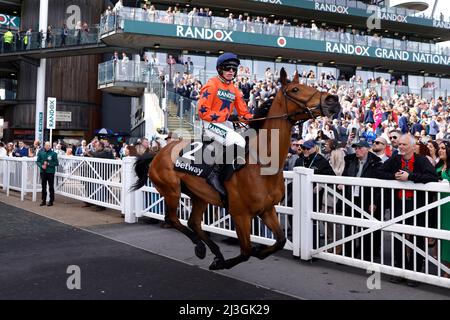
51,117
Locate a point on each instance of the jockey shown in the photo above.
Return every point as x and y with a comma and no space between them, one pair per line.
218,98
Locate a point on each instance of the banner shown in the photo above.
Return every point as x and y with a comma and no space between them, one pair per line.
236,37
7,21
51,113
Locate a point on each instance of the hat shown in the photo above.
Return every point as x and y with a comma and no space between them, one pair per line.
228,58
309,144
361,144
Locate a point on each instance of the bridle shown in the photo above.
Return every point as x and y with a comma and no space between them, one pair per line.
303,105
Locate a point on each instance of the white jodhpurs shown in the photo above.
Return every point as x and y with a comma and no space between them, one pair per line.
223,133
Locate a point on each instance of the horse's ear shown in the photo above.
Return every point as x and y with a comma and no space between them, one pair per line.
296,78
283,77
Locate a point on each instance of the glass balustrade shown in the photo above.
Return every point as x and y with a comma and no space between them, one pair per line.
124,71
116,22
392,10
56,39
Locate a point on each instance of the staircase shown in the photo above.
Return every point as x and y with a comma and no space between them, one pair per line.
179,126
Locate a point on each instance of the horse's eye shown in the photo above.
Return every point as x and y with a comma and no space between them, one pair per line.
296,90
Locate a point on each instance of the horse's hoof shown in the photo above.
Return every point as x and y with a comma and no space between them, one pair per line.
218,264
200,251
258,252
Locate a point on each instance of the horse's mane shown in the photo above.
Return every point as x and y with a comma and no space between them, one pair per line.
261,112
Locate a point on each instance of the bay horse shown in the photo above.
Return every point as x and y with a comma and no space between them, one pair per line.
250,194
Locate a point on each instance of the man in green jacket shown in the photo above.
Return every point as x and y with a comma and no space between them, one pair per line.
8,39
47,161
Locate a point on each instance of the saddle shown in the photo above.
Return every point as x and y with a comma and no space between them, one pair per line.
199,157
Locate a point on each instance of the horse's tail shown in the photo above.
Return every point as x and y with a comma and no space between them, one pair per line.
141,167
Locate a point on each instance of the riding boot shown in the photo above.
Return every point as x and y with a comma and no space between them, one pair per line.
214,180
237,163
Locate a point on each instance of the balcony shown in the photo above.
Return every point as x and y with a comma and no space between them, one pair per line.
134,27
128,78
56,39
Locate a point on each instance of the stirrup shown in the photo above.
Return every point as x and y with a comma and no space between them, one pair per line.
236,165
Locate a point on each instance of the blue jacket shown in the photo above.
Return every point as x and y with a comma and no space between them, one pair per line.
21,152
434,128
403,125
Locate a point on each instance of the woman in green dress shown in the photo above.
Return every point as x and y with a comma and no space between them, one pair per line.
443,169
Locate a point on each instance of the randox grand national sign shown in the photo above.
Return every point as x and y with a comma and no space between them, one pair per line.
389,54
263,40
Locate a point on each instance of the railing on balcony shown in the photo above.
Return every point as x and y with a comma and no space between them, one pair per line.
123,71
363,6
116,22
56,39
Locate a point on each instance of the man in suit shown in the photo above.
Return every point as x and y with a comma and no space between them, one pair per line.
21,151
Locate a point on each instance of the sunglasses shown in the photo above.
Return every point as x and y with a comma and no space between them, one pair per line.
306,149
230,68
393,138
378,142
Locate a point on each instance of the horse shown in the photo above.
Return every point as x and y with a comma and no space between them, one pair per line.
294,102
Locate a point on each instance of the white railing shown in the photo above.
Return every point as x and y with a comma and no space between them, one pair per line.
391,237
3,170
20,174
217,220
92,180
354,233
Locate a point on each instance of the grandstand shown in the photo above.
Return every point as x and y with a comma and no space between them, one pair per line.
405,53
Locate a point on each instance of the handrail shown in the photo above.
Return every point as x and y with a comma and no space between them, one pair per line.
301,32
27,41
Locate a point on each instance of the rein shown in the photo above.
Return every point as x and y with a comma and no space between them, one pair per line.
288,116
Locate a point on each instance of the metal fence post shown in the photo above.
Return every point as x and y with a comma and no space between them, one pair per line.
306,208
139,203
8,177
23,182
5,174
128,196
35,178
296,205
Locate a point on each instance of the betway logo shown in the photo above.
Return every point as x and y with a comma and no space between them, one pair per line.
331,8
226,95
204,34
188,167
347,49
270,1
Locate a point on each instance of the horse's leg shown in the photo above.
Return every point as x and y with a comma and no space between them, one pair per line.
195,223
270,219
171,218
243,228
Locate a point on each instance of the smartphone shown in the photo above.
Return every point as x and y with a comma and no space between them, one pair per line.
354,131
